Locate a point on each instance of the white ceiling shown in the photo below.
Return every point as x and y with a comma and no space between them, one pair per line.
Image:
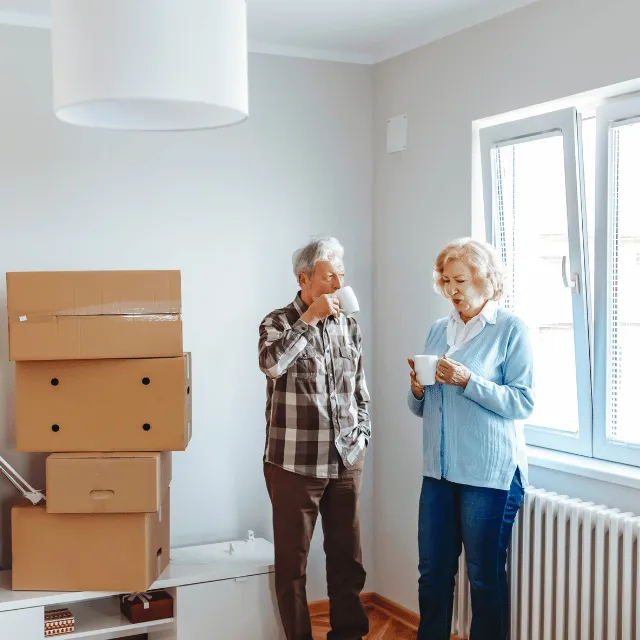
364,31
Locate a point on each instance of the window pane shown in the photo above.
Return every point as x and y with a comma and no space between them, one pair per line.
589,164
531,217
624,281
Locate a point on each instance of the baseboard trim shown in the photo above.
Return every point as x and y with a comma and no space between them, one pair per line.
400,614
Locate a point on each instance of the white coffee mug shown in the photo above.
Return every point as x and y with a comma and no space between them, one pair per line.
425,367
348,301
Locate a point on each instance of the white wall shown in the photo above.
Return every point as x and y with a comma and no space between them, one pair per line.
226,207
546,51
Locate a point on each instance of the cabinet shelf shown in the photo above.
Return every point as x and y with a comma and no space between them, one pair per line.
102,618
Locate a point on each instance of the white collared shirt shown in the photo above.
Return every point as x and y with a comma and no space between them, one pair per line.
459,332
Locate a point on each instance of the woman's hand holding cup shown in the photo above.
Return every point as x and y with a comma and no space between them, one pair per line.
416,388
452,372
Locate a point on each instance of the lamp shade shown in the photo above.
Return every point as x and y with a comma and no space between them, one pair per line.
154,65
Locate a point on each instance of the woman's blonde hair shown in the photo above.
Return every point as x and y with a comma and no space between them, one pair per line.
482,259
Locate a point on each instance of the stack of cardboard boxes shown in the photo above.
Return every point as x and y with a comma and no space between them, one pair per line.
102,382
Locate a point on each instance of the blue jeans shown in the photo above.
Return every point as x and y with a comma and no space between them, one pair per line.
482,519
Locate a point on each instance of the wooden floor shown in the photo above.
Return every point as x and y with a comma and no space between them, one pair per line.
387,620
382,627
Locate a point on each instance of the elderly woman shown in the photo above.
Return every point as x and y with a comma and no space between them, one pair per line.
474,462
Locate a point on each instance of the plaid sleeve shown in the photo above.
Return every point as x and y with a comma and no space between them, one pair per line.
361,392
280,344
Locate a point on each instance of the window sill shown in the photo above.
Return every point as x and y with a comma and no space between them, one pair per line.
601,470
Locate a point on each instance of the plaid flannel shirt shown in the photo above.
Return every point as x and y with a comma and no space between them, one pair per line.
317,399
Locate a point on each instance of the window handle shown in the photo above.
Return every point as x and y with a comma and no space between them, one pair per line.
570,280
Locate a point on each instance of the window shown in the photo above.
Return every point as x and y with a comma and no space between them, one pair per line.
617,280
562,205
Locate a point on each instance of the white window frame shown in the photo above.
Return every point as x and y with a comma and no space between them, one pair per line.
565,123
612,114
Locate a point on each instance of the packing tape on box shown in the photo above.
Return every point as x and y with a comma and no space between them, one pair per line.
116,308
47,317
33,317
144,598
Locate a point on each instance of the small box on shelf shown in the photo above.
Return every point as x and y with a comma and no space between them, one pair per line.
58,622
147,607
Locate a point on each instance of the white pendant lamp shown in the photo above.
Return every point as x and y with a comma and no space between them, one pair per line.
150,65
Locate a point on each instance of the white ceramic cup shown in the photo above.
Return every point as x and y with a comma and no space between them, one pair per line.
348,301
425,367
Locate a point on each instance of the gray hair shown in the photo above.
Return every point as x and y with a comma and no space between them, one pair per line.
482,259
318,250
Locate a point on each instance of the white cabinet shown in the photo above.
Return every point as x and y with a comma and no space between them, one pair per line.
234,609
25,624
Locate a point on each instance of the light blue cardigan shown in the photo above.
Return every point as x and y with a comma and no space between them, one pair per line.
474,430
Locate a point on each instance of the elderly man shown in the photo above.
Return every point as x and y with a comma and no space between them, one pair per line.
318,428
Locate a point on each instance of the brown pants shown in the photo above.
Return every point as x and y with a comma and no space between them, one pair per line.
296,501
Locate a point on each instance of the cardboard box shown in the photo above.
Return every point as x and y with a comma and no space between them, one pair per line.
122,552
107,482
84,315
104,405
147,607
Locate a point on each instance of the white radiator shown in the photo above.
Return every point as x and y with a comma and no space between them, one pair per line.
574,570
